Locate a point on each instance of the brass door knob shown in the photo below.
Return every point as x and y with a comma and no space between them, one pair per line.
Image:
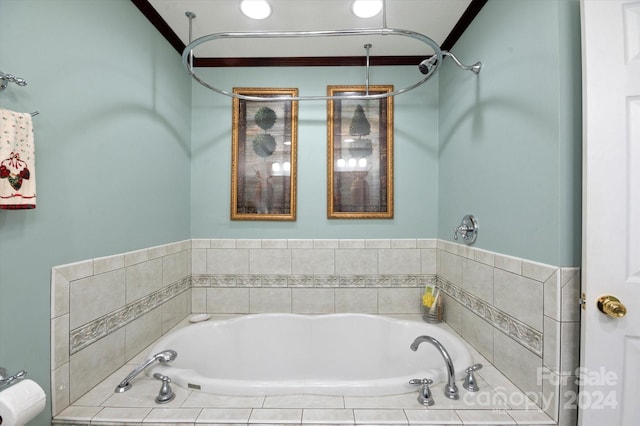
611,306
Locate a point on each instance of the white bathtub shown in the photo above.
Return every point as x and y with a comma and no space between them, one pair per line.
279,354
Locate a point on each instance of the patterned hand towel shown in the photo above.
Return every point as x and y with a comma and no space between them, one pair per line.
17,161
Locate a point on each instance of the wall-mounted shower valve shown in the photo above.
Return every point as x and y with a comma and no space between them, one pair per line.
468,229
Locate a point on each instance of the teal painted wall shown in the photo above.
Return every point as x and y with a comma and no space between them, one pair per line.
112,153
415,155
510,139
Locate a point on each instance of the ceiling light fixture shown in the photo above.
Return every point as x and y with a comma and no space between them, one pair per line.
256,9
366,8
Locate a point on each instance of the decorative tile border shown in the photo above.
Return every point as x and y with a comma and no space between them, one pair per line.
89,333
315,281
527,336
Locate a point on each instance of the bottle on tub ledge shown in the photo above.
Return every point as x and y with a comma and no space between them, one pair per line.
432,304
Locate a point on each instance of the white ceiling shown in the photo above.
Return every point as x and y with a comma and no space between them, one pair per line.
433,18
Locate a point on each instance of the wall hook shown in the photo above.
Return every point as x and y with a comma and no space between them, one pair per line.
468,228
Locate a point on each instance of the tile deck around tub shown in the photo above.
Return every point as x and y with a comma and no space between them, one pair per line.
498,402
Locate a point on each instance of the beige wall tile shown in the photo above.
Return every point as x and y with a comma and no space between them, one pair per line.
553,296
199,300
198,261
569,347
427,243
223,243
60,389
175,310
267,300
59,294
143,279
479,333
77,270
227,261
270,261
334,244
270,243
109,263
313,261
356,261
452,313
228,300
92,297
428,261
312,300
377,243
249,243
570,279
59,341
142,332
299,244
357,300
519,364
404,243
450,267
508,263
158,251
477,279
175,267
351,244
399,261
484,256
551,348
93,364
399,300
519,297
537,271
200,244
138,256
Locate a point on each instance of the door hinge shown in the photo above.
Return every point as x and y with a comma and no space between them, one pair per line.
583,301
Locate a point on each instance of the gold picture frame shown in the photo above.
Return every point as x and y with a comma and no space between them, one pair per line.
264,155
360,154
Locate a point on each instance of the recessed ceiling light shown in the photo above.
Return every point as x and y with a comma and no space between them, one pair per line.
366,8
256,9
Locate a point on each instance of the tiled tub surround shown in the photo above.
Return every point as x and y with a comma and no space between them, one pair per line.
104,311
498,402
523,316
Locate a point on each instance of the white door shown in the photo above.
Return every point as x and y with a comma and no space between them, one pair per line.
610,350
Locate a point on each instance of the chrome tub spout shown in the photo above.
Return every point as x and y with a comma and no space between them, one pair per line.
162,357
450,389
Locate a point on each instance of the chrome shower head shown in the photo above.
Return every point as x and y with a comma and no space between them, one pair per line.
426,66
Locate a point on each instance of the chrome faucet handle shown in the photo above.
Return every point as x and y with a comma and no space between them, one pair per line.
424,395
470,382
166,393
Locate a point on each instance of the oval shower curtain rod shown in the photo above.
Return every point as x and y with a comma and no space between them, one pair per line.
427,67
